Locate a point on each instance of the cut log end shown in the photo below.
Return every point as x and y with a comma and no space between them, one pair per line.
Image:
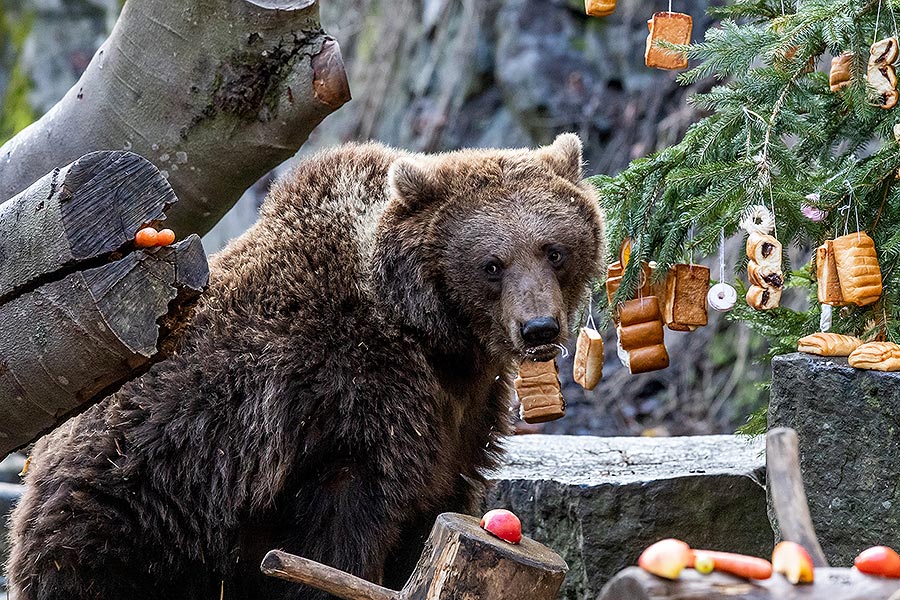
330,84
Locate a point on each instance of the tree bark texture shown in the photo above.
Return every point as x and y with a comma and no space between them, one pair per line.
82,311
830,584
215,93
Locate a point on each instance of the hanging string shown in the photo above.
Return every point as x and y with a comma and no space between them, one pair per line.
691,246
670,6
877,19
772,203
722,255
893,17
590,317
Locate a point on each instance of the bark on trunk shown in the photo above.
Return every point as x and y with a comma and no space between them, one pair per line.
214,92
82,312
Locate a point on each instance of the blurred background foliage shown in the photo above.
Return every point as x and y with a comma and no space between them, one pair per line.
432,75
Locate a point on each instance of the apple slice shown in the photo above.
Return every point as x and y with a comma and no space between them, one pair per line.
704,563
503,524
878,560
666,558
793,561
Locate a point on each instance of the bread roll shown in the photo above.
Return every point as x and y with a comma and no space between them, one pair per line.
763,298
538,389
640,310
685,306
857,267
839,77
765,276
883,52
671,27
614,274
648,358
764,250
876,356
826,272
599,8
588,369
829,344
638,335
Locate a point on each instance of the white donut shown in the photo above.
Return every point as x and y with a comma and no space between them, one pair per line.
722,297
758,219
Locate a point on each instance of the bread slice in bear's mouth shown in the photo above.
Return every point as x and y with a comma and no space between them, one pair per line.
542,353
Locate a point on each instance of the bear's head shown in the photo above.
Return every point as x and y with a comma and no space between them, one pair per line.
491,249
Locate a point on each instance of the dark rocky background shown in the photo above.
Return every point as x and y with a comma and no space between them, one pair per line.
432,75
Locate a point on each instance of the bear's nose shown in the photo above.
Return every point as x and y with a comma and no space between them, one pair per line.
541,330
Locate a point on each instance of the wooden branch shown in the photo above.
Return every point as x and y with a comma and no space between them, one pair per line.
337,583
785,485
81,313
214,92
830,584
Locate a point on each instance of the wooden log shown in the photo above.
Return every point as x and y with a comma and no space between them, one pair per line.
71,342
830,584
81,312
460,560
214,92
784,483
78,214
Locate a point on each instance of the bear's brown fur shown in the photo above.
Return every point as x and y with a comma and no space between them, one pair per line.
346,378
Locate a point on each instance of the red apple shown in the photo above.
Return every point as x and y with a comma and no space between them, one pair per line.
666,558
878,560
793,561
503,524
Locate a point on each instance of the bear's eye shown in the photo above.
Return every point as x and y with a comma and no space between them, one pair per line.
493,269
555,256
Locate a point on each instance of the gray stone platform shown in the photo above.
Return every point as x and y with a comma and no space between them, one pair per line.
599,501
848,422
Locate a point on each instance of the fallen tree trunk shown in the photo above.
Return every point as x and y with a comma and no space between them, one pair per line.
830,584
82,311
214,92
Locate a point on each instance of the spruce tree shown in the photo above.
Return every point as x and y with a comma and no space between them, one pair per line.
775,135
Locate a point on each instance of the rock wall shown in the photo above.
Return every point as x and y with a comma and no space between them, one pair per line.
848,423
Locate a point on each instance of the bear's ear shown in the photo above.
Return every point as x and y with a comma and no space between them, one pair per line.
412,183
564,156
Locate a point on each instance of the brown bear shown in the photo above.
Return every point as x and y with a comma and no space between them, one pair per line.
346,377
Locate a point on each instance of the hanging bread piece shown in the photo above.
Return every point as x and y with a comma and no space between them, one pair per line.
839,78
599,8
857,267
614,280
763,298
686,289
876,356
880,73
827,275
674,28
829,344
538,389
641,338
764,271
588,358
764,250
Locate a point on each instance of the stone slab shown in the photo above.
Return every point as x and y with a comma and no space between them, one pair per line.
599,501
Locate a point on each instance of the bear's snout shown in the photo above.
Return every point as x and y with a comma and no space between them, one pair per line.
541,330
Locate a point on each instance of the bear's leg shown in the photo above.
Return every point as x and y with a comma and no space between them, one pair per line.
348,523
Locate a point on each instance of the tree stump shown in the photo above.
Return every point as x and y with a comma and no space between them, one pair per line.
460,560
82,311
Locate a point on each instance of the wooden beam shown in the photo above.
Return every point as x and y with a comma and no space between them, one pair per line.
784,483
830,584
